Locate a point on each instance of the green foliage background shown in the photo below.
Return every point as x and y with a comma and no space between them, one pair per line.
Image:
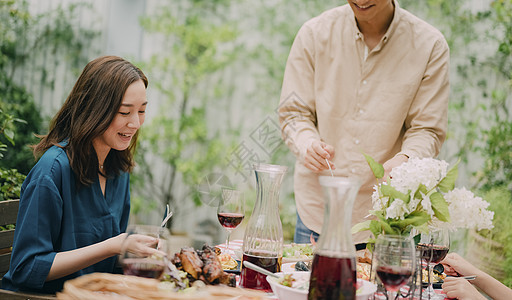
23,35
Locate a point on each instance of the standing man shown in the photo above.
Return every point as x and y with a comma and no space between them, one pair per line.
364,77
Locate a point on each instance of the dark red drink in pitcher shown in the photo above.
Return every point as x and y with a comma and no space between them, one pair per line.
333,271
255,280
263,238
333,278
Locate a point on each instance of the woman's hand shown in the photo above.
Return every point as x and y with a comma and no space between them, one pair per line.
455,265
316,154
68,262
140,245
460,288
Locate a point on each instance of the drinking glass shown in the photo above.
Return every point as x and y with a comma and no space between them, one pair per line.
394,262
150,266
230,211
434,246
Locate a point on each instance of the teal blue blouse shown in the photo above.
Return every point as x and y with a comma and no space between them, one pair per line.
55,216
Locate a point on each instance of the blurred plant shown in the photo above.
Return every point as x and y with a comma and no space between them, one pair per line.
10,179
198,43
24,36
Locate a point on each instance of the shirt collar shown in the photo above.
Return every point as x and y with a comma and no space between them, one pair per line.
391,29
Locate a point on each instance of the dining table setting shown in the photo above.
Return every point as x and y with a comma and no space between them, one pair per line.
146,285
400,262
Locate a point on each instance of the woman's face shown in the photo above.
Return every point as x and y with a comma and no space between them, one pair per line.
127,121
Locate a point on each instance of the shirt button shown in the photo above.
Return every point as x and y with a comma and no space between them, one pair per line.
353,170
365,82
361,111
356,141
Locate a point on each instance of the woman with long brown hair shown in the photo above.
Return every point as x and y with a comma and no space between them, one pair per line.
75,202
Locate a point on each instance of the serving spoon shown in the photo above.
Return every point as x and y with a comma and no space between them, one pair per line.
256,268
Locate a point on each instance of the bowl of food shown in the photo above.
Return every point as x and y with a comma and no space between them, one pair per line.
295,285
290,285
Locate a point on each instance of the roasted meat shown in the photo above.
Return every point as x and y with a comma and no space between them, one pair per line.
212,268
191,262
228,279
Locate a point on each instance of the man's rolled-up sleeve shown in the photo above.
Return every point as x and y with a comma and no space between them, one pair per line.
297,112
426,123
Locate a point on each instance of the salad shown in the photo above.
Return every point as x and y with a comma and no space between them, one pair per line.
301,283
298,251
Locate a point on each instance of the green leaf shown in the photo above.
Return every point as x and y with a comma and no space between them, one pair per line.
391,192
384,226
421,189
361,226
416,218
419,218
448,183
440,207
377,169
417,239
375,228
9,134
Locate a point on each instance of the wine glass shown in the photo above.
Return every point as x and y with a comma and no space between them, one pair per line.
230,211
434,246
394,262
149,266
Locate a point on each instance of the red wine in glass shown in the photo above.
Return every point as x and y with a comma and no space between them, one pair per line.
230,211
332,278
230,220
433,253
434,246
143,267
255,280
393,277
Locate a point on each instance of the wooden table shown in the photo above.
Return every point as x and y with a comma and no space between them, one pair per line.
8,295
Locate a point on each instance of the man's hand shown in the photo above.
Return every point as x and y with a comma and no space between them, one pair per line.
394,162
316,155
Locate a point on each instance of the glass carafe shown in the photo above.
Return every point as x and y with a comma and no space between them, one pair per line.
263,239
333,272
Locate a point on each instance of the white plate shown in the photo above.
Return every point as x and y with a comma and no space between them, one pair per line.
283,292
288,267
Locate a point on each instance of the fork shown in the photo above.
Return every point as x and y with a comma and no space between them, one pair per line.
167,215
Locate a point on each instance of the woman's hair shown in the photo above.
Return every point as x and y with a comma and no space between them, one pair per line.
88,111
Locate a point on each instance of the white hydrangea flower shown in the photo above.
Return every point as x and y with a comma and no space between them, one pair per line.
467,210
427,205
378,203
413,203
409,175
396,210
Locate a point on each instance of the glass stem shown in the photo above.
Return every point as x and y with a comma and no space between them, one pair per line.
227,241
430,280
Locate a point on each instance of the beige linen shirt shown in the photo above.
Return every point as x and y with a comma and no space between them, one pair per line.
394,100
